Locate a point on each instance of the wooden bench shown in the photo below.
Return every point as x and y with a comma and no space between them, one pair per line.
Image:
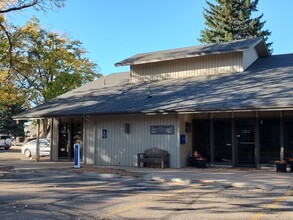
152,157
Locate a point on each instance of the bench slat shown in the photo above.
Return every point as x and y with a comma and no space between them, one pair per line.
153,156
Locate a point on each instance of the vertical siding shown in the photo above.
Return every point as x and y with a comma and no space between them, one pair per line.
185,149
89,140
120,148
55,139
249,56
188,67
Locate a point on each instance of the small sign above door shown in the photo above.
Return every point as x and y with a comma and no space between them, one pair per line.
162,129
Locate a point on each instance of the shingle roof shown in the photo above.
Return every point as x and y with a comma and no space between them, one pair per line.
267,84
187,52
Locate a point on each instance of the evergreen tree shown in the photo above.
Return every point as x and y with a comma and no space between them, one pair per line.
7,124
230,20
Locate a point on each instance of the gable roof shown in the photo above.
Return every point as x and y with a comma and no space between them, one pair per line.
266,84
207,49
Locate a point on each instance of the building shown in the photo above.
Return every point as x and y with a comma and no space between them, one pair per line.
231,102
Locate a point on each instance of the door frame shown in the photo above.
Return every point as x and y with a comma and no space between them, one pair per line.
255,138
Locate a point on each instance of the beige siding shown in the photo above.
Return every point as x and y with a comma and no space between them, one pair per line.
120,148
188,67
185,149
89,140
54,139
249,57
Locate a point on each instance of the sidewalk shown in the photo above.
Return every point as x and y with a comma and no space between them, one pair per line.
227,177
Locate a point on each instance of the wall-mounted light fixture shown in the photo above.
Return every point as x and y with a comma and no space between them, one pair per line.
127,128
187,127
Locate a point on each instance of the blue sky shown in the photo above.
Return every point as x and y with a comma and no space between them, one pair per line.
112,30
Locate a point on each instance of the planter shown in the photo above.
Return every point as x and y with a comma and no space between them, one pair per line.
200,163
291,166
281,168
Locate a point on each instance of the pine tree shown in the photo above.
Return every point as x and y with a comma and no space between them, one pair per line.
230,20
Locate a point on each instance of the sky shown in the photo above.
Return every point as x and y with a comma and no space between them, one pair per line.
113,30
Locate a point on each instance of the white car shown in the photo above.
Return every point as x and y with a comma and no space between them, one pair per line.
30,148
5,141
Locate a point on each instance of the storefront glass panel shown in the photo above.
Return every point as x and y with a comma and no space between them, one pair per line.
269,130
288,138
222,141
201,138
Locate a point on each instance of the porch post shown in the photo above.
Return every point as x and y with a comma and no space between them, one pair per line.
38,141
70,144
257,146
282,152
212,150
233,133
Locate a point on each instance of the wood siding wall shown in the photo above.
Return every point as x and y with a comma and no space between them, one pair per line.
249,57
54,139
188,67
185,149
121,148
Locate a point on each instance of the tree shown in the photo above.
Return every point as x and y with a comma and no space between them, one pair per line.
230,20
7,124
47,64
8,6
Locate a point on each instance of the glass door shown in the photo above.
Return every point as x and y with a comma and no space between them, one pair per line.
245,142
63,140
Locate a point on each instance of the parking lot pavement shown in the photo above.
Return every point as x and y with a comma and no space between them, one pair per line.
49,190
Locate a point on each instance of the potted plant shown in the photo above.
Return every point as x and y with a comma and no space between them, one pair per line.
281,166
290,161
200,161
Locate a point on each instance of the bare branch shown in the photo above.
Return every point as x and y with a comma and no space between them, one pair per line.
7,34
20,7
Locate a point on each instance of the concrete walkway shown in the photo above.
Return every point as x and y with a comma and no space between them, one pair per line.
227,177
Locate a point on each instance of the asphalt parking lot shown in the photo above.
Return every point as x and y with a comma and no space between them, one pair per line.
50,190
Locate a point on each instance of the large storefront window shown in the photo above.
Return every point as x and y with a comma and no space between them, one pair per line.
288,138
269,130
222,141
201,138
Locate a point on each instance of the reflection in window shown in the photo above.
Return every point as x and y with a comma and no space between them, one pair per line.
269,140
223,141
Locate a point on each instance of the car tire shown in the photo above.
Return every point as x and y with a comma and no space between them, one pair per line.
27,153
8,143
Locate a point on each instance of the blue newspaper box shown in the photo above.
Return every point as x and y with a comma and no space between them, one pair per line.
76,156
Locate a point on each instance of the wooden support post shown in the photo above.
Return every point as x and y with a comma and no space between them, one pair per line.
233,133
38,141
257,142
282,150
212,150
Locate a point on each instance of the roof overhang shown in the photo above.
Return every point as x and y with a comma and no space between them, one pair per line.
197,51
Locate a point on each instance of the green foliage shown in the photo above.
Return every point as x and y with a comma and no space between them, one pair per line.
230,20
7,124
47,64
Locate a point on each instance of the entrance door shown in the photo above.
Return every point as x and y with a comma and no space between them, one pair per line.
69,134
245,142
63,140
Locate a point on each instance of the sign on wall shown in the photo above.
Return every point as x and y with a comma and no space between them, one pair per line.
104,133
162,129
